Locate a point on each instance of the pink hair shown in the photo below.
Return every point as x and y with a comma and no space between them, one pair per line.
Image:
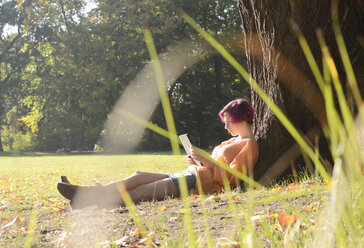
239,110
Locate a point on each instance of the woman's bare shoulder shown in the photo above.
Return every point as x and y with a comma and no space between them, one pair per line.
229,140
252,142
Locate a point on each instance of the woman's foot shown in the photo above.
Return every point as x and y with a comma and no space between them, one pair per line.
67,190
64,179
84,196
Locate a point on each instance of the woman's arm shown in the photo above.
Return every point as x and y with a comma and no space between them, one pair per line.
245,160
197,155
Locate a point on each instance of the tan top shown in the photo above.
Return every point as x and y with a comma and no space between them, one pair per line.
238,154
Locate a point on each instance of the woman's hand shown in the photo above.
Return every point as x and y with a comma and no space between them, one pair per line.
190,160
196,155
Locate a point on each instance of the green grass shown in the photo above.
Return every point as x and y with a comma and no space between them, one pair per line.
28,180
28,188
86,166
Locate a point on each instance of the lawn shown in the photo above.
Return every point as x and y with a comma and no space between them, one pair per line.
29,182
32,212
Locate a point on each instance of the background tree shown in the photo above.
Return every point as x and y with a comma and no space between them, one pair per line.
14,54
277,63
72,62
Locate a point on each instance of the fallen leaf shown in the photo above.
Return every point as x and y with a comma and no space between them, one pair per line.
162,208
194,197
183,211
287,220
238,198
136,233
277,190
292,187
214,198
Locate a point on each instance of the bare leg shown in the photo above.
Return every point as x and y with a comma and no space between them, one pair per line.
157,190
143,186
140,186
138,178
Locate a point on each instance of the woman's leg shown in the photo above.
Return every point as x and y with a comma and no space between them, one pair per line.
138,178
157,190
109,195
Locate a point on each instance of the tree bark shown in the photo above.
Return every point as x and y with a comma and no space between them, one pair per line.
1,145
277,63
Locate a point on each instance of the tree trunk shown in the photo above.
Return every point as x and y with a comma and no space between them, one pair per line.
1,145
277,63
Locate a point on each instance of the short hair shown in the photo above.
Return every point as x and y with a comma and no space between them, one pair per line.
239,110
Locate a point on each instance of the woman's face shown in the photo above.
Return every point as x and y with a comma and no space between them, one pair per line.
231,126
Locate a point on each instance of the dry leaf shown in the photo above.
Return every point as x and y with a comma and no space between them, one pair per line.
277,190
162,208
194,197
287,220
238,198
136,233
183,211
214,198
292,187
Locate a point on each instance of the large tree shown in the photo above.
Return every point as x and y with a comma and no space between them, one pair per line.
277,63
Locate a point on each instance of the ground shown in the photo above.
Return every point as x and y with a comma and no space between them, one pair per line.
102,227
34,214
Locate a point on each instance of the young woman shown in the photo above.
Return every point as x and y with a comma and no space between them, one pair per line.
239,153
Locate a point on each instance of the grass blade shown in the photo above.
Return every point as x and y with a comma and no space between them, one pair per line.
32,225
162,89
344,53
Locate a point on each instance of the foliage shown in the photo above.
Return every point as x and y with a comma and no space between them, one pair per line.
64,66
